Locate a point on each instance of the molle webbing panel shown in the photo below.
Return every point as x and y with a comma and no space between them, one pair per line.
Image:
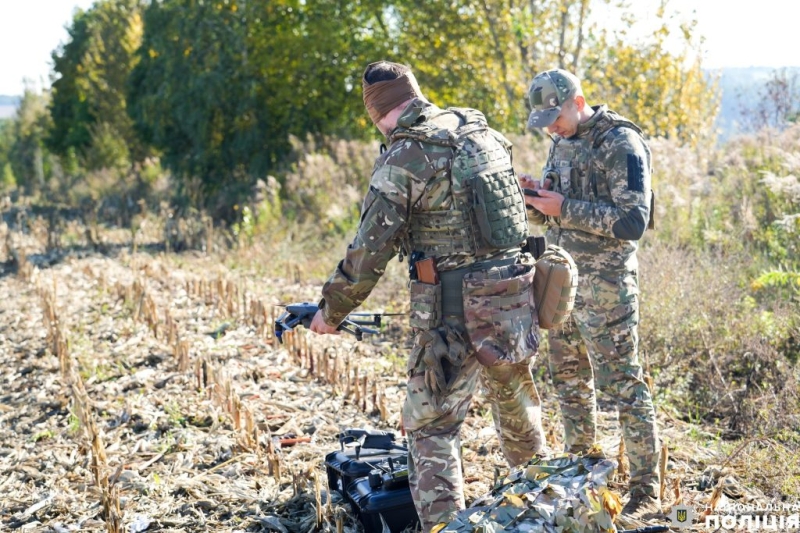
488,211
440,233
499,213
480,159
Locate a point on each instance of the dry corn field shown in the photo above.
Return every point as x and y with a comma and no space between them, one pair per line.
145,391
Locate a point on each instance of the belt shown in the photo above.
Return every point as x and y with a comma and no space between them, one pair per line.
452,284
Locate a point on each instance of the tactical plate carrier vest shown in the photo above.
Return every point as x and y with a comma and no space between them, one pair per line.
578,177
487,214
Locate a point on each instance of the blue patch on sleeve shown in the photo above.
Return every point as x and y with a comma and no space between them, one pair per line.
635,173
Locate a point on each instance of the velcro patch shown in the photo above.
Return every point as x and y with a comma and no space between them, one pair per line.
635,173
537,96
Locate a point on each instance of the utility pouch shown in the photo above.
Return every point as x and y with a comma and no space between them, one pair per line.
554,286
568,182
500,315
426,305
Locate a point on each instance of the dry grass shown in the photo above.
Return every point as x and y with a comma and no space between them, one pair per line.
148,390
703,338
143,388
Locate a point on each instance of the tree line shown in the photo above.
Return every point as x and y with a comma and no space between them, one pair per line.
214,89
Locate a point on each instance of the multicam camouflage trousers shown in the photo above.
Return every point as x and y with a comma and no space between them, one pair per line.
432,422
598,346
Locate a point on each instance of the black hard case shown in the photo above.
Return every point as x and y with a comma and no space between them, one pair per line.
395,505
347,465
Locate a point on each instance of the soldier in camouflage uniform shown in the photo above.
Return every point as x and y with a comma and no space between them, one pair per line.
476,322
595,199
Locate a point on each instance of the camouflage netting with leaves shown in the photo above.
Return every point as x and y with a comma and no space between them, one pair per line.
567,493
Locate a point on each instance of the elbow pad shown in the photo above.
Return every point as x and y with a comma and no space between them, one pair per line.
631,227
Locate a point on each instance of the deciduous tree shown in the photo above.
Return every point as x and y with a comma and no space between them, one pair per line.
90,73
28,155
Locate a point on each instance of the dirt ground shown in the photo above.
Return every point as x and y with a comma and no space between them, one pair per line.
146,391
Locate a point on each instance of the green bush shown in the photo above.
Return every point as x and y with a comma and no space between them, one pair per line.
7,179
326,182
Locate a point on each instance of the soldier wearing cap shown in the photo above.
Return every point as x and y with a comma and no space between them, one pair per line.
417,203
595,199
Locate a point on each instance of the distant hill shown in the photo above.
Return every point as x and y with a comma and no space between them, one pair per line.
739,87
7,111
8,105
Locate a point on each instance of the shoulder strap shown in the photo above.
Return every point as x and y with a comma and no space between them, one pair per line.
472,121
428,131
613,121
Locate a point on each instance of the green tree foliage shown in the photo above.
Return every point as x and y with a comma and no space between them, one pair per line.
483,53
7,178
221,86
91,72
217,87
666,93
189,95
30,160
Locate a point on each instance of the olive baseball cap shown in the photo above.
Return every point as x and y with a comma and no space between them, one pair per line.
548,91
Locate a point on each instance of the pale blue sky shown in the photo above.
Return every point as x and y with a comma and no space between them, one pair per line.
29,31
738,33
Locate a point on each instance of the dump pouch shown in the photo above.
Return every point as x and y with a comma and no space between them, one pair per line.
439,354
554,286
500,314
426,305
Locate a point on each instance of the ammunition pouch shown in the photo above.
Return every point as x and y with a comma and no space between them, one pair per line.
426,305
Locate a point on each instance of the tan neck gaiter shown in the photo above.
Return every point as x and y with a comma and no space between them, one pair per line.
383,96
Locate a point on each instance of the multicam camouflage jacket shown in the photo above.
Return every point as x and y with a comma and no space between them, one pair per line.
411,177
604,173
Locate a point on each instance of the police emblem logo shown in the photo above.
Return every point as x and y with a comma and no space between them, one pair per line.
681,516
